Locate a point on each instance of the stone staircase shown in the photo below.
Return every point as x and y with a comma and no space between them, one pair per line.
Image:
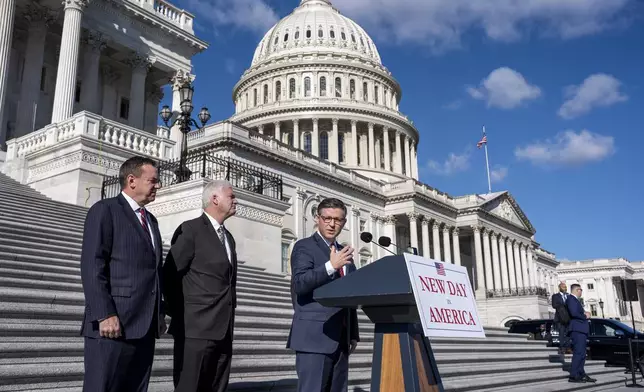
41,304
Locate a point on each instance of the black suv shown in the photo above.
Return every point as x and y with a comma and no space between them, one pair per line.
607,341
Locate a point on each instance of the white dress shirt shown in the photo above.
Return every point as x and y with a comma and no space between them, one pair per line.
137,210
329,268
216,225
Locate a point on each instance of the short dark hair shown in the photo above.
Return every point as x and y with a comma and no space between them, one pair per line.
574,286
332,203
133,166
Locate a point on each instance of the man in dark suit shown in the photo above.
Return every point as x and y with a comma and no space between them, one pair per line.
322,337
200,292
579,329
121,272
558,301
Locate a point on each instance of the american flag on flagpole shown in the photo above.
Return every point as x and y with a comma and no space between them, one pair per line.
440,268
482,142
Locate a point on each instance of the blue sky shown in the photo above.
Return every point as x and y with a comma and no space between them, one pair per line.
559,85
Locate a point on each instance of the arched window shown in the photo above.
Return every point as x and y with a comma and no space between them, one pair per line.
320,32
254,97
323,86
307,142
297,33
365,91
308,32
352,89
375,94
246,101
353,38
324,145
361,42
332,33
286,37
365,257
341,148
291,88
338,87
307,86
278,90
343,35
288,240
277,39
266,93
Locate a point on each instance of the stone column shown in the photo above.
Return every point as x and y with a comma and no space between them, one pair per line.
414,162
260,129
413,229
315,139
399,167
278,131
385,144
390,231
95,43
514,279
424,226
489,280
446,244
140,66
378,154
457,246
68,62
611,310
109,77
408,172
528,277
437,242
507,284
372,147
521,282
375,250
354,143
480,270
296,133
355,233
298,215
495,262
333,142
531,262
7,12
39,20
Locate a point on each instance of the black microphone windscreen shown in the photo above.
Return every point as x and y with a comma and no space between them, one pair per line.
366,236
384,241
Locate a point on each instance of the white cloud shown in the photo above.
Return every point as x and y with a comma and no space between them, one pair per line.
453,164
251,15
598,90
498,173
504,88
441,24
568,149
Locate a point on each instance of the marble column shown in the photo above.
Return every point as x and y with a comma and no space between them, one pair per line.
514,278
68,62
378,154
354,143
527,276
375,250
446,244
140,65
480,270
424,226
94,45
260,129
296,134
496,264
7,13
333,142
355,232
507,284
278,131
408,172
414,162
612,308
521,281
390,231
489,279
413,228
457,246
109,78
299,213
315,139
531,261
399,164
385,144
436,240
39,20
372,147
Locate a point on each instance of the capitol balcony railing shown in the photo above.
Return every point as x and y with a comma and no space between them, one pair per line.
518,292
205,163
86,125
168,11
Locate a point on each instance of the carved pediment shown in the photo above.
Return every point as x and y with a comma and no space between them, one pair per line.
504,207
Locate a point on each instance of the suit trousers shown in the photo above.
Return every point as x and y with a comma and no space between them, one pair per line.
578,354
204,365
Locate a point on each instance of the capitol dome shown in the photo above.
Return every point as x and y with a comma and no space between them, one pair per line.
317,84
316,24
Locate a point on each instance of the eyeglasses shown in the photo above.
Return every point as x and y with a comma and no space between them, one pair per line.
328,219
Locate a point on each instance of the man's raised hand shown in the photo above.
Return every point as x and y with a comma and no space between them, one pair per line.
341,258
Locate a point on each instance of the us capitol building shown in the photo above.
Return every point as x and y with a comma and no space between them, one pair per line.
316,115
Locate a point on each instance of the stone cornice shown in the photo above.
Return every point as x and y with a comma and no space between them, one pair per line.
486,215
419,196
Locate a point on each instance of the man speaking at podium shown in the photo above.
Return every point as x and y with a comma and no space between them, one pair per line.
322,337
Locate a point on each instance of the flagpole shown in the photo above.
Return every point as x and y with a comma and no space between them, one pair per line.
487,165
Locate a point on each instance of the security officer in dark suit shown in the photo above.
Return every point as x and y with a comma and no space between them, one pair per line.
558,302
579,329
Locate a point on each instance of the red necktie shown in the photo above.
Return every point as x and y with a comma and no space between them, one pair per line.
144,221
341,270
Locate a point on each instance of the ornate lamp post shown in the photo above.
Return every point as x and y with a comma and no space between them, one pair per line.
601,306
185,122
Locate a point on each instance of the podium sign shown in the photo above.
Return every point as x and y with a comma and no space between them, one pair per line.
444,298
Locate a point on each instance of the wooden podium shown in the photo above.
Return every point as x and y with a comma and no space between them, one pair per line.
402,356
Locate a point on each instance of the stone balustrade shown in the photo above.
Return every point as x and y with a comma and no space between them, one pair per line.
168,11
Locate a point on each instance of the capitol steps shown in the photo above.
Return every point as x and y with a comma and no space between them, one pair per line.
41,304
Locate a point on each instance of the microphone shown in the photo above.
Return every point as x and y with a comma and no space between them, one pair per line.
386,241
367,237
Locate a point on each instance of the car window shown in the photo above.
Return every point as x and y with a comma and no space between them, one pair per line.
603,330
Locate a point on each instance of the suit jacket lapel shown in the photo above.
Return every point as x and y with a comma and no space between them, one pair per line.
211,229
157,238
134,220
322,244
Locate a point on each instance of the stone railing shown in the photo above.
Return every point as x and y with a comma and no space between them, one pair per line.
92,126
166,10
518,292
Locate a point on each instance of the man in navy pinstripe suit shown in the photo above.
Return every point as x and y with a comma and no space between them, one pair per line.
121,266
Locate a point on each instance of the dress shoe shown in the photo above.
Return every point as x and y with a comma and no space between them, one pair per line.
577,380
587,378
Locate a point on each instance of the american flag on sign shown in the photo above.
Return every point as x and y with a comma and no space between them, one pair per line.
440,268
482,142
